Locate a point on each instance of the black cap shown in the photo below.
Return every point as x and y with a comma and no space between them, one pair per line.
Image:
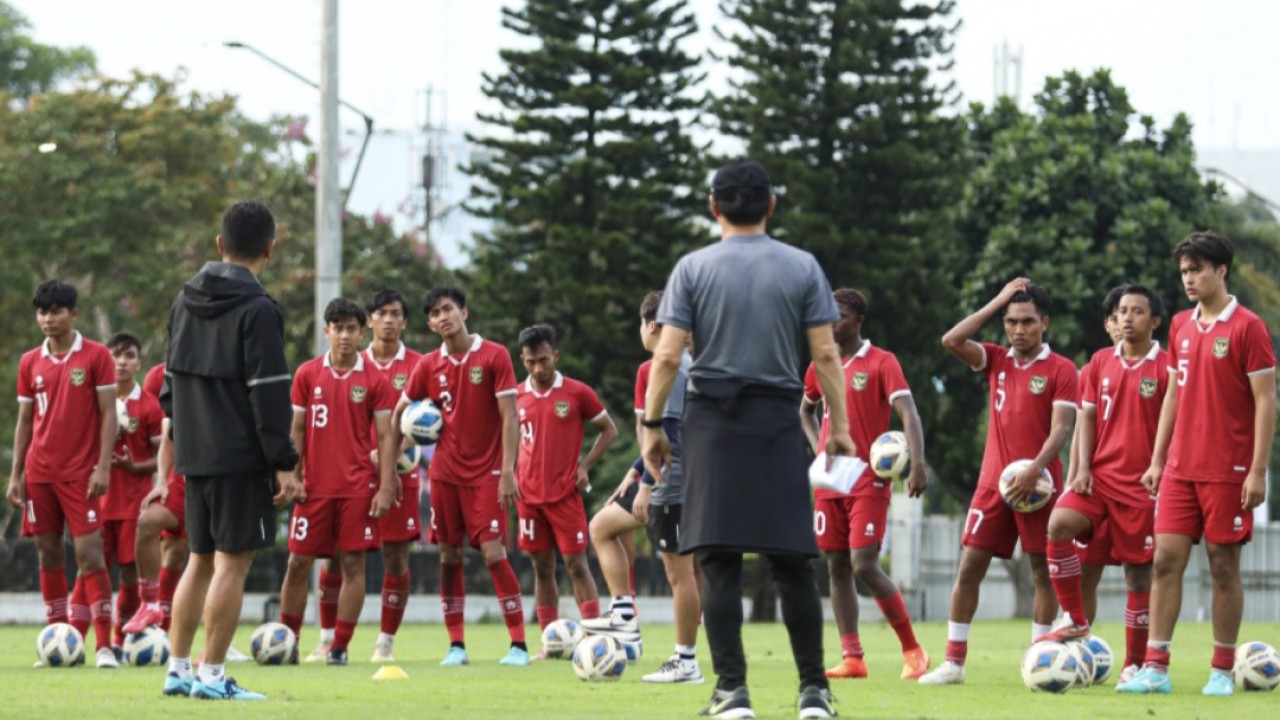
741,175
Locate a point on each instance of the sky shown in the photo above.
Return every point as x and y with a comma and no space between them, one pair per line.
1214,61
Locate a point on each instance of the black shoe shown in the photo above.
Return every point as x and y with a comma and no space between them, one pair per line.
731,704
337,656
816,702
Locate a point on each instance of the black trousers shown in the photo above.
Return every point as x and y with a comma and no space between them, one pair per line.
722,614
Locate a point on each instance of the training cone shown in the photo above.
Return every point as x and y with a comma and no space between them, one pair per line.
390,672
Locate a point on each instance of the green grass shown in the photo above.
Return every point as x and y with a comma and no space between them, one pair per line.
549,689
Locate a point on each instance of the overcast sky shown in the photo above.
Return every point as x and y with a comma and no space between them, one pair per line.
1216,60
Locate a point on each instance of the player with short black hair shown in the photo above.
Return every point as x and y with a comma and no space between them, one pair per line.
340,405
1033,395
248,230
553,411
1221,376
62,458
472,473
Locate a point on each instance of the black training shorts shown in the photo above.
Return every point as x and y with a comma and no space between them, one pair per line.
627,500
663,529
230,513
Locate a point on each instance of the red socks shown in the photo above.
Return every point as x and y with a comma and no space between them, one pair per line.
294,623
395,595
126,606
1064,573
507,588
330,586
148,591
80,617
453,593
850,645
1136,621
1158,655
53,586
895,611
98,590
342,633
168,585
589,609
546,615
957,651
1224,657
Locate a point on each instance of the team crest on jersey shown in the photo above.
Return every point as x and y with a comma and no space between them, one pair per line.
1220,347
562,409
399,381
1038,384
77,376
357,393
132,427
477,376
859,381
1147,388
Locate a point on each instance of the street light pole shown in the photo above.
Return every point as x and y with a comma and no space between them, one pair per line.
328,197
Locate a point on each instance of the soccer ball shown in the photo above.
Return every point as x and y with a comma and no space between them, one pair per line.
1257,667
1103,659
890,456
273,643
560,638
60,645
599,657
1043,492
422,421
633,650
1086,664
409,460
149,647
1049,667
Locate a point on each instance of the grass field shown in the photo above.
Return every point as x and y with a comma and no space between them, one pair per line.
549,689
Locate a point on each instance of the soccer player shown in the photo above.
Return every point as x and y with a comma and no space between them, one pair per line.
340,404
1120,409
399,528
472,474
850,527
1033,404
132,465
1221,376
62,447
553,411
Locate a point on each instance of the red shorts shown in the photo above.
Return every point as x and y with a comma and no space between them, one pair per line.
176,504
401,523
850,522
49,505
564,521
995,527
1197,509
321,526
1125,532
466,512
119,540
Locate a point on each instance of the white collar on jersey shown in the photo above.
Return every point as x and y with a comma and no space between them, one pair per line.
1223,316
475,345
76,346
1151,355
136,392
369,351
358,367
555,385
862,352
1044,355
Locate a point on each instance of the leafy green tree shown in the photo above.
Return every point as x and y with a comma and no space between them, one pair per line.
28,67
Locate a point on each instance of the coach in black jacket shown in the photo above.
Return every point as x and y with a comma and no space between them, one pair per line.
227,392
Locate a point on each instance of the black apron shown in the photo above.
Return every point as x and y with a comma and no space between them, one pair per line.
746,470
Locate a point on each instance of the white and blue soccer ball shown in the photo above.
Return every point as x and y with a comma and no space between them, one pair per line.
599,658
273,643
890,456
1103,659
60,645
560,638
1257,667
633,649
422,421
146,648
1085,663
1039,497
409,460
1049,667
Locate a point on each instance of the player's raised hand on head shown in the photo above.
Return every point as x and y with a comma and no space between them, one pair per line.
656,452
508,490
98,482
1254,490
14,495
1013,287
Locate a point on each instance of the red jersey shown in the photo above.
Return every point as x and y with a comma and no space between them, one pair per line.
642,384
154,381
1023,396
1213,366
1126,398
396,371
466,388
552,424
66,424
873,379
126,490
340,410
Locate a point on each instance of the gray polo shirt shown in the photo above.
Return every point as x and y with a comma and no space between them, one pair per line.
748,300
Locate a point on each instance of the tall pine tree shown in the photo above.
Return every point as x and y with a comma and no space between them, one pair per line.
840,102
593,181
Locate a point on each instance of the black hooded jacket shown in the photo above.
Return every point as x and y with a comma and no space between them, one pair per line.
226,381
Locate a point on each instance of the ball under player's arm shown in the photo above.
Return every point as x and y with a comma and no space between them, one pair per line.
21,442
809,422
826,363
389,487
508,490
1164,433
957,340
1263,386
918,479
662,377
1059,432
107,431
608,433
